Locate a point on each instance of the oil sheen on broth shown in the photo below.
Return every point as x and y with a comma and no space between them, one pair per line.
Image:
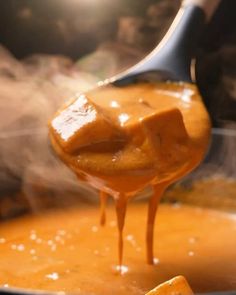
121,139
66,250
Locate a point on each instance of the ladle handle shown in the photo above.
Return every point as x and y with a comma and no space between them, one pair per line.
173,56
208,6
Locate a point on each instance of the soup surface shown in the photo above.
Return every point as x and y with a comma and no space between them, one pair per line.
66,250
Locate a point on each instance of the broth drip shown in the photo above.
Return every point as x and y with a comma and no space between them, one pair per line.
153,204
103,201
121,206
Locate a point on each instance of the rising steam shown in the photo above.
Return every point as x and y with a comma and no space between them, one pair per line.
30,92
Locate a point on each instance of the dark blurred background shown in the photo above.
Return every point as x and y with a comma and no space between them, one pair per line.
126,29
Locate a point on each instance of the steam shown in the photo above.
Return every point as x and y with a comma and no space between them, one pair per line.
30,92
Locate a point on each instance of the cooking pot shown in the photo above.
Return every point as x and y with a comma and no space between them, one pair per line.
219,162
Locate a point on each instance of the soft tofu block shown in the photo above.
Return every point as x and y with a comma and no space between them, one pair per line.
176,286
167,124
82,123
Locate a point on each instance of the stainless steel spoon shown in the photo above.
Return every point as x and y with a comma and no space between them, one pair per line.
172,58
